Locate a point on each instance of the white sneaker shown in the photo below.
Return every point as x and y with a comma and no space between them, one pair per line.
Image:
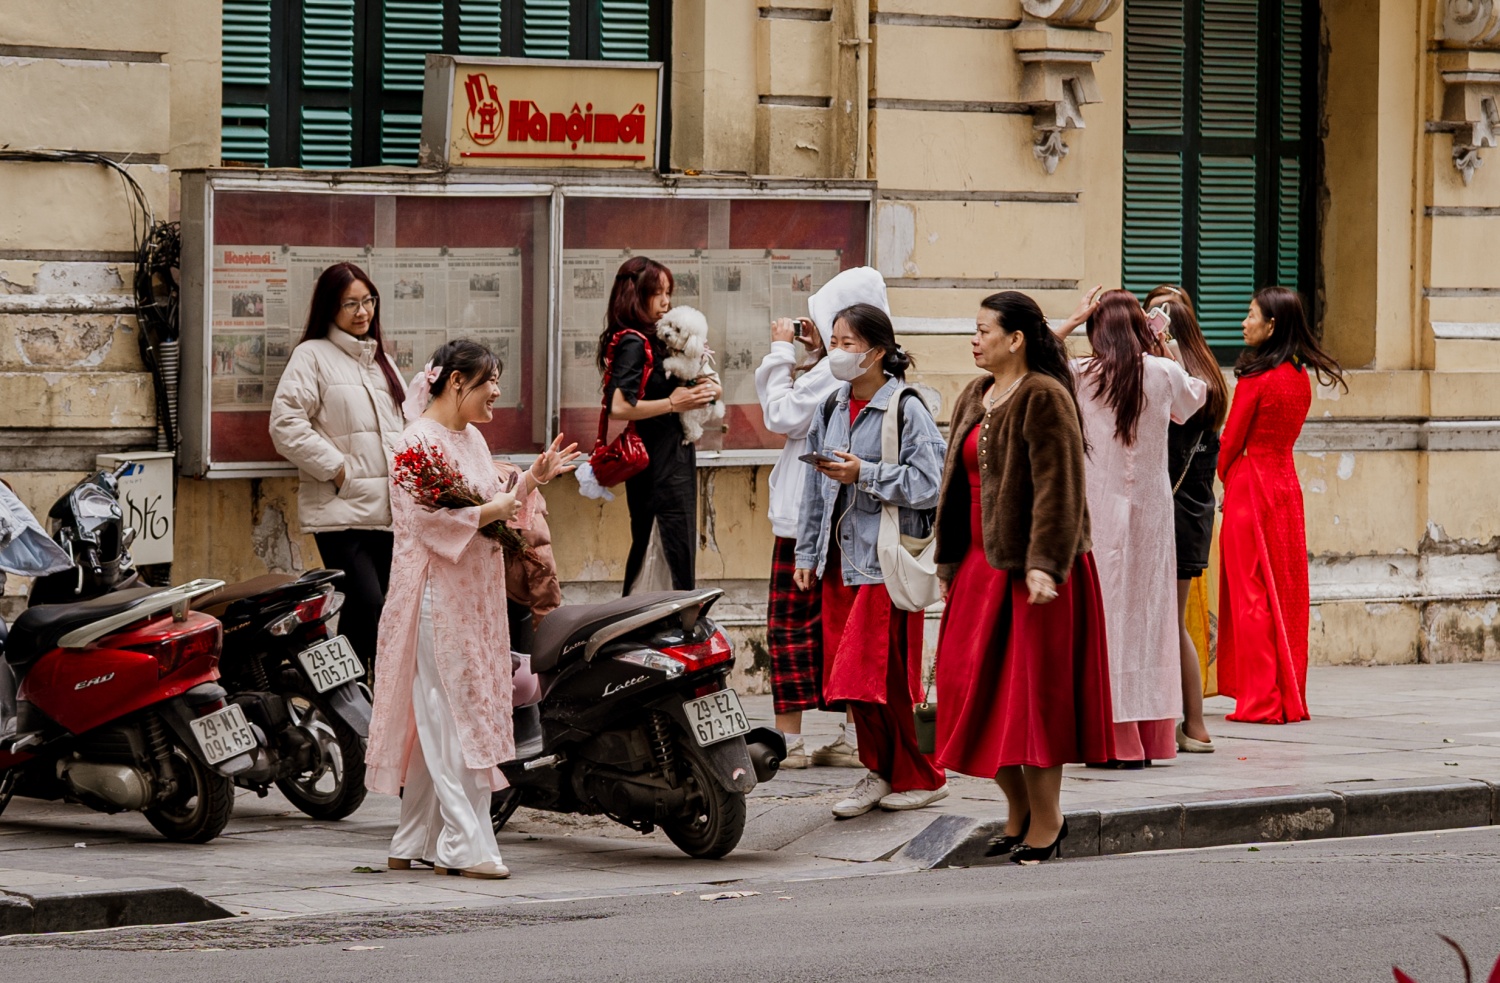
870,790
915,798
839,754
796,755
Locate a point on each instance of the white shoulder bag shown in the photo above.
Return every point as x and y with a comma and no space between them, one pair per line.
908,564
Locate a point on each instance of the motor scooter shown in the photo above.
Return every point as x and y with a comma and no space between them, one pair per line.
636,722
114,703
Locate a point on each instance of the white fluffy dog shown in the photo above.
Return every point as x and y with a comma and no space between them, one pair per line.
684,331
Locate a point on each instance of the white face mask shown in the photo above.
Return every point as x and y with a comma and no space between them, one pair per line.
847,366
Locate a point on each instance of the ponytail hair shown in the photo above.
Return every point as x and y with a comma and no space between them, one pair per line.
469,359
873,326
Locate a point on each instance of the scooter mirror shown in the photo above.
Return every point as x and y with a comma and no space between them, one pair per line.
127,537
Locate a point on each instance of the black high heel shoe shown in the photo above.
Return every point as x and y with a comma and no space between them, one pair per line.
1001,843
1024,853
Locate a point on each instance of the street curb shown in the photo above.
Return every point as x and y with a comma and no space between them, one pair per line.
1256,815
77,906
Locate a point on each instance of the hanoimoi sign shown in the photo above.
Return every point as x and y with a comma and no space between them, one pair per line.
540,112
146,500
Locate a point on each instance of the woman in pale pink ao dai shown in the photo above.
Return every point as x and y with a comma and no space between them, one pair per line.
443,689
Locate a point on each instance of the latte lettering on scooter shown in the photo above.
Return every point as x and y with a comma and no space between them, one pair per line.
612,688
94,682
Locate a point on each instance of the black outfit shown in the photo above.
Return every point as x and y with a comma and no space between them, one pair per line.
365,557
666,493
1193,503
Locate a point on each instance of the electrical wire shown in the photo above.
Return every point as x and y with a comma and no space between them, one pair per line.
157,252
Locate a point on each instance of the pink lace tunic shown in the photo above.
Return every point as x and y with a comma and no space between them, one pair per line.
466,571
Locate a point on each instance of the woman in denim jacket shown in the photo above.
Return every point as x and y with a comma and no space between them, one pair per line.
876,648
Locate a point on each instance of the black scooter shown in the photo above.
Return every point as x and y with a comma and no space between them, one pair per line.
636,722
299,686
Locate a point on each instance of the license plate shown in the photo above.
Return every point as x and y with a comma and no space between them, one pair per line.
716,717
331,663
223,733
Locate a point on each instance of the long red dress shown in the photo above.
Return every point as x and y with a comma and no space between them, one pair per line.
1263,596
1020,683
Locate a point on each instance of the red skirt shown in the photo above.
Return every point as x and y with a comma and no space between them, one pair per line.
1021,683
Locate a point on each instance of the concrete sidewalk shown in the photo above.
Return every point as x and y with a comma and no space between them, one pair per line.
1389,749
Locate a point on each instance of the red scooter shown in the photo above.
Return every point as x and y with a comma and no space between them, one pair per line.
114,703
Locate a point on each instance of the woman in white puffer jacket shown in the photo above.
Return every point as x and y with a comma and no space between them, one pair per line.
791,395
337,415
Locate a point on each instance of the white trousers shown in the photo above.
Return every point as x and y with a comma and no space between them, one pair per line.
445,805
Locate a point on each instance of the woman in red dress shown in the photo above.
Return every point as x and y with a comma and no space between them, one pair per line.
1022,670
1263,598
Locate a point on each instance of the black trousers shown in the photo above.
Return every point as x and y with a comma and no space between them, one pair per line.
666,494
365,557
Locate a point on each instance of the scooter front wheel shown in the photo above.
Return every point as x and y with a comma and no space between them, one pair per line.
713,820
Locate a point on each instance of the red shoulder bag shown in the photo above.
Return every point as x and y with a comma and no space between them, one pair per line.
624,457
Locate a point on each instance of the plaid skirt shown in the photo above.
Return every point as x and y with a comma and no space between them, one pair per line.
794,636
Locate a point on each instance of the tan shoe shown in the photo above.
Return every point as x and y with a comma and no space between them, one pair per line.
839,754
796,755
1188,745
402,863
487,871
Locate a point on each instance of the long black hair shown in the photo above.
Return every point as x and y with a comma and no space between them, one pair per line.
874,328
1045,353
1197,357
326,298
636,282
1292,340
469,359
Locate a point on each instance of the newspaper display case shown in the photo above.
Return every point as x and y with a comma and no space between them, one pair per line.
521,264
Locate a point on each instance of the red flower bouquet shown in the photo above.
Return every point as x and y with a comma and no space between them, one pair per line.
433,480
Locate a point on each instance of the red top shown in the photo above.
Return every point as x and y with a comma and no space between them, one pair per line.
855,405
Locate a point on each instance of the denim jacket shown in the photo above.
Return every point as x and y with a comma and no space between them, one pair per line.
911,484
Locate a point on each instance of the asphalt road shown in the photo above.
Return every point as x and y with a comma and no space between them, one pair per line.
1330,911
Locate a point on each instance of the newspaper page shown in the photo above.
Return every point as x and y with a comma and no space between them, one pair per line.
797,274
250,340
737,302
304,264
587,276
484,305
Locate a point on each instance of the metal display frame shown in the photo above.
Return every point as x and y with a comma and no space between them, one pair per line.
199,187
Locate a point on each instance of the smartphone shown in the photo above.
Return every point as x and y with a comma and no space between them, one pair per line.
819,457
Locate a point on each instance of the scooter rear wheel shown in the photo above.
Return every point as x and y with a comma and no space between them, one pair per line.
337,788
713,820
200,808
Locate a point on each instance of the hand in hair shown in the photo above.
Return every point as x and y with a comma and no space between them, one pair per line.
1087,305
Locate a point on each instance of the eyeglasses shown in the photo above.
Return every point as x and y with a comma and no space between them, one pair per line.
353,306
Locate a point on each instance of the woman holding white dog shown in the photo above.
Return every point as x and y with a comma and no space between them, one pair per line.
663,499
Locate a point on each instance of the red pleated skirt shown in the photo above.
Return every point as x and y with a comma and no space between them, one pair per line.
1018,683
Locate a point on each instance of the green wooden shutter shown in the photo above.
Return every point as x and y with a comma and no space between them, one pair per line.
1289,222
1226,245
1230,77
412,29
245,134
546,29
328,44
247,42
479,27
625,30
1153,221
1154,61
327,136
1291,69
400,138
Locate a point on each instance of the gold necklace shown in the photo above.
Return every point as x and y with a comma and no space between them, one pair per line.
990,404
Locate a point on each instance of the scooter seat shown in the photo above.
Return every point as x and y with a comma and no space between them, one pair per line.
575,623
39,628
